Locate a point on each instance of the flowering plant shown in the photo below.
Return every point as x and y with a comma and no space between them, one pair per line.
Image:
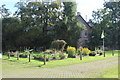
85,51
71,48
71,51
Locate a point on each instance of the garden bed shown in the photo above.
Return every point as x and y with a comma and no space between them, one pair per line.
23,56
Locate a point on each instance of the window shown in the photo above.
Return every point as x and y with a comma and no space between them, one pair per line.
86,34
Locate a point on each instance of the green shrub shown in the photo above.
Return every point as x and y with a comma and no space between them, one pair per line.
56,55
49,56
63,55
48,51
58,44
99,51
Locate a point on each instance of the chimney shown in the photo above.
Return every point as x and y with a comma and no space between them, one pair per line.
78,13
86,17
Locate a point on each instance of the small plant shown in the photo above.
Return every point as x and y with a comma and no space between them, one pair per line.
92,53
100,52
56,56
38,56
63,55
58,44
48,51
71,51
85,51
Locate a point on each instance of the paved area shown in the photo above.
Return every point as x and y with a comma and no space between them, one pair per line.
82,70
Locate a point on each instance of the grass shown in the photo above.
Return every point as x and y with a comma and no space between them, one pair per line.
23,62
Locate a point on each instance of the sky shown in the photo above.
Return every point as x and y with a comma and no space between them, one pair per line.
85,7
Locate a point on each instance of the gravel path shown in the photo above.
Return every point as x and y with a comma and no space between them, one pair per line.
82,70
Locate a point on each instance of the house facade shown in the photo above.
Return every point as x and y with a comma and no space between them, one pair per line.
84,34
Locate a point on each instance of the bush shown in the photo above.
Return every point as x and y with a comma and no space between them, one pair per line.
56,56
38,56
48,51
63,55
100,52
71,51
93,53
58,44
85,51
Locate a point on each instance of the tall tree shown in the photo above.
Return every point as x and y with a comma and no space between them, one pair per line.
107,19
71,31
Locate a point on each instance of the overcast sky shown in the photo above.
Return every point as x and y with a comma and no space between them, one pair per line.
85,7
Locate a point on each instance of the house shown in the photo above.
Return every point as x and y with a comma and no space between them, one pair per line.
86,28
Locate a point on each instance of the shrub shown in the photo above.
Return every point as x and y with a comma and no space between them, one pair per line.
39,56
58,44
49,56
56,55
93,53
85,51
48,51
63,55
71,51
99,51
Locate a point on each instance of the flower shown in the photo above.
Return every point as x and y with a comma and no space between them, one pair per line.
71,48
85,51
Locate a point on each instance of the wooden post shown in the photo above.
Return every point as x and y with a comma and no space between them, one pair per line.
17,56
8,55
44,59
112,53
80,55
29,57
104,53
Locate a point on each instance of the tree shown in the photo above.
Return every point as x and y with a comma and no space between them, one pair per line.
42,17
4,11
106,19
11,31
68,29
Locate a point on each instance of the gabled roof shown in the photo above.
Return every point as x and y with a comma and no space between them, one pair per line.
80,19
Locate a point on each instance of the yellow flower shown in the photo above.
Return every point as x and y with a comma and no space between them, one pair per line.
86,50
71,48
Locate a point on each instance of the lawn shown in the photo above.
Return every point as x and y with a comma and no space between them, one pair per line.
56,63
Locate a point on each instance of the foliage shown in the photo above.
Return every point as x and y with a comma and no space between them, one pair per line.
106,19
63,55
71,51
70,31
49,51
12,27
38,56
71,48
55,63
58,44
4,11
56,55
37,24
85,51
99,51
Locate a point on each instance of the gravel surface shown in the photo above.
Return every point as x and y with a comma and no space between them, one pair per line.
82,70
